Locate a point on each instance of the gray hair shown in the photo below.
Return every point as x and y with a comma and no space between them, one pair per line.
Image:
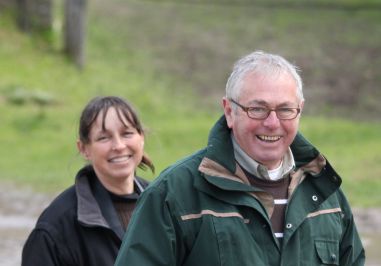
263,63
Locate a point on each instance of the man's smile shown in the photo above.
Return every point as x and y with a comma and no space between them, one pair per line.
267,138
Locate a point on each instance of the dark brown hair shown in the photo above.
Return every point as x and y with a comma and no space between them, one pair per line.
124,110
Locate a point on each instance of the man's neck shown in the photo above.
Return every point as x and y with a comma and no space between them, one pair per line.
258,169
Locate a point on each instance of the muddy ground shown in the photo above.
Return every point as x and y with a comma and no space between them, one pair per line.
19,209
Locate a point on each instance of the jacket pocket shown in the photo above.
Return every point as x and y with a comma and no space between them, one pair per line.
328,251
238,246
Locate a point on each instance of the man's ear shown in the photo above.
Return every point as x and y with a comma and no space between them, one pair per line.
82,149
301,105
228,111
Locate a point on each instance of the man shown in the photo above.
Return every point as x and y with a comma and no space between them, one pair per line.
258,194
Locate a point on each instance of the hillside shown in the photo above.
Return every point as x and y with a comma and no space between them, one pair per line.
171,60
336,45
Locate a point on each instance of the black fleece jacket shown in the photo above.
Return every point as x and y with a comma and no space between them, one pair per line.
79,227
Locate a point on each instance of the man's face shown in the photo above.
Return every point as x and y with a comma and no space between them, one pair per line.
266,140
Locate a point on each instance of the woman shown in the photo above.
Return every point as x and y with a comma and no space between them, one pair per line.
86,223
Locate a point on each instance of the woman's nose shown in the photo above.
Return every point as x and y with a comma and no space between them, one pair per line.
118,143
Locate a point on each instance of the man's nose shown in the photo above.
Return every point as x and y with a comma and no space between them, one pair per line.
272,121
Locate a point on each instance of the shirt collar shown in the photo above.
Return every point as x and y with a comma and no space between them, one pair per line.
258,169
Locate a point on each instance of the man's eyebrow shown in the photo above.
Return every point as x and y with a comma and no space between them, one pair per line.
264,103
258,102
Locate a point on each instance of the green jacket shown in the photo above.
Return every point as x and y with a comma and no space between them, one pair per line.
202,211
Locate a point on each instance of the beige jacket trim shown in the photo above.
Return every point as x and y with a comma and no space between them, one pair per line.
212,168
327,211
213,213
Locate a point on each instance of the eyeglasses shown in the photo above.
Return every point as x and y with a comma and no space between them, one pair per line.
259,112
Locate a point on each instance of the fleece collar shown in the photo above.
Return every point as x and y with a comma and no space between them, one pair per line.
95,207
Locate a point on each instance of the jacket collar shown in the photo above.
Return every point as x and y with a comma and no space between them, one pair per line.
220,148
221,170
95,207
258,170
89,212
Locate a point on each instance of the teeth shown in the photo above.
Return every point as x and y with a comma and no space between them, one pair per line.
119,159
269,138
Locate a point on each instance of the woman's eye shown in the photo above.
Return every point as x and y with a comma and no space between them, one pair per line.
128,133
102,138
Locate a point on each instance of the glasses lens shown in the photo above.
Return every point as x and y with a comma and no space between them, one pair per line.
258,112
287,113
263,112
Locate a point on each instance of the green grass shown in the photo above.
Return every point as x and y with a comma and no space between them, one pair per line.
353,149
196,43
41,140
172,65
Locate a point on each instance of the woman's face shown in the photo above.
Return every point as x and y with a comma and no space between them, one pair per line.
115,151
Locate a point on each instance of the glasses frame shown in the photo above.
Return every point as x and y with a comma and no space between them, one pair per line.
269,110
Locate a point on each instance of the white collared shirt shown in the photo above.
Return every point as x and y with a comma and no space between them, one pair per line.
259,170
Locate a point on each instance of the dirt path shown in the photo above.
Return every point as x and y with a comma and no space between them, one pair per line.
19,209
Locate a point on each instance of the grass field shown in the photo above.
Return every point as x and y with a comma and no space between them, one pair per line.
165,57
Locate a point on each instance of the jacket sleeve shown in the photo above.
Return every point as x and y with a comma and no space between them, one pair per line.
151,235
351,249
41,249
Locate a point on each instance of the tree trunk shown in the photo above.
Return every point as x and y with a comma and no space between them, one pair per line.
23,16
34,15
75,30
6,4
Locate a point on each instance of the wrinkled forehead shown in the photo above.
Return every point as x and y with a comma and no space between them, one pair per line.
268,73
280,87
254,78
274,74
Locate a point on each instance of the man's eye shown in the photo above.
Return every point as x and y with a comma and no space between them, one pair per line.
286,110
258,109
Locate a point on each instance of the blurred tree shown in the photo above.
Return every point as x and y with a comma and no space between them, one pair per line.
75,30
34,15
5,4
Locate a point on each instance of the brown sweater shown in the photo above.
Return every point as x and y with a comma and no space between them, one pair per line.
124,206
279,191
